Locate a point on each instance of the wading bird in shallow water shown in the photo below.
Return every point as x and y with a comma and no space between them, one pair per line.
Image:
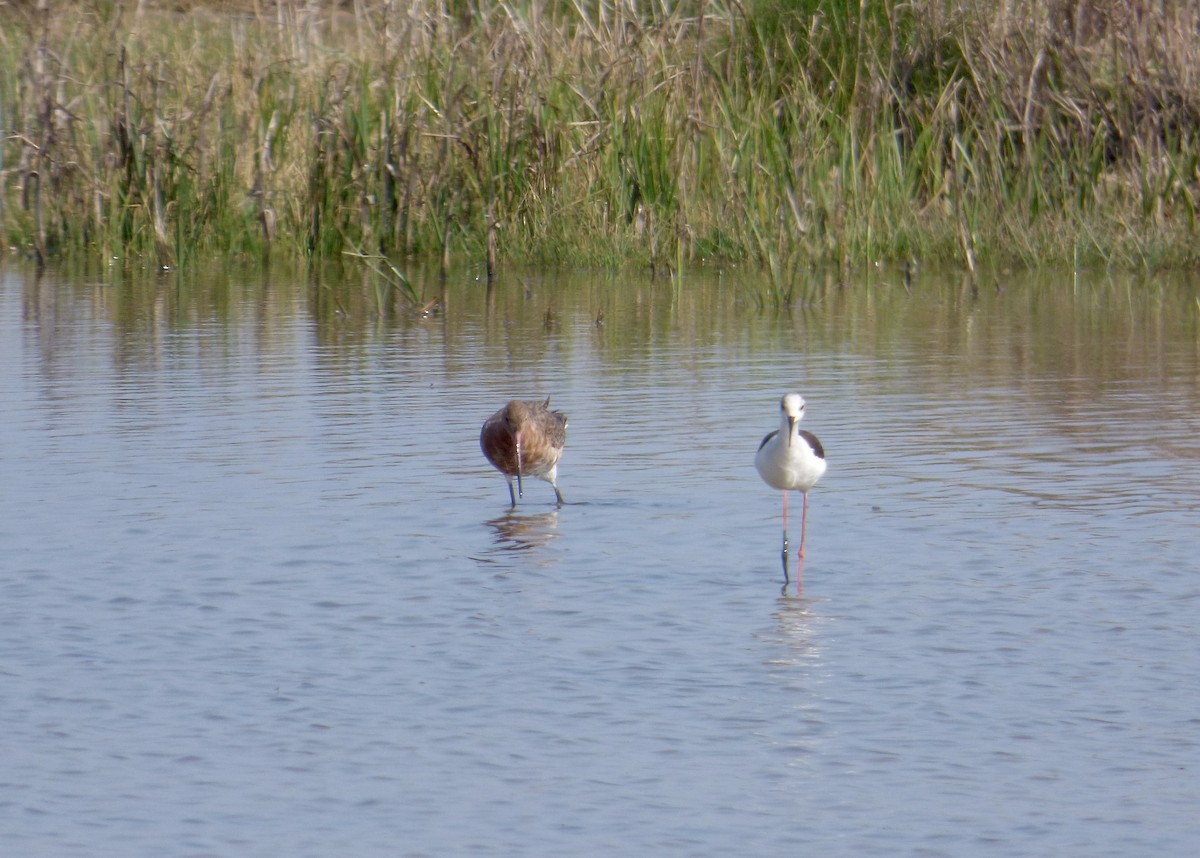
525,439
790,459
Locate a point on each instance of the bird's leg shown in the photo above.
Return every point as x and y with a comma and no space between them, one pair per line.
803,524
783,556
784,552
800,551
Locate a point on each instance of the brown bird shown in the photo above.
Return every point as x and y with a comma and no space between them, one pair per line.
525,439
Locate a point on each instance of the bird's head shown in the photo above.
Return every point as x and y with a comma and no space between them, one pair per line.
791,408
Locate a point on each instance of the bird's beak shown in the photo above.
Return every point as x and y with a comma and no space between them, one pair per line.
520,467
791,429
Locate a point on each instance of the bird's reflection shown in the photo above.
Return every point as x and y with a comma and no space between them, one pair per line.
796,619
518,531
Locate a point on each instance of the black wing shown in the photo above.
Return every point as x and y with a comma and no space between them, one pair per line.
814,443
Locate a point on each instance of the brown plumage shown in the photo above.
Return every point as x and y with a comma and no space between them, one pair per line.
525,439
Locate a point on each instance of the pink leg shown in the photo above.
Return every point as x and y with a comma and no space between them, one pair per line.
803,523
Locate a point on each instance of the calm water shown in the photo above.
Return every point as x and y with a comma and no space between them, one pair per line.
260,594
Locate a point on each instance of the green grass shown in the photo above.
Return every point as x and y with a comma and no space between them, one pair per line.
605,133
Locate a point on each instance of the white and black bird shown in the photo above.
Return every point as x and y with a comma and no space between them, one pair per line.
791,459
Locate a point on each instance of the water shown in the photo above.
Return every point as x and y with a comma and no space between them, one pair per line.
261,595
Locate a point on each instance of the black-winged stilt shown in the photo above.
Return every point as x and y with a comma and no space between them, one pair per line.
791,459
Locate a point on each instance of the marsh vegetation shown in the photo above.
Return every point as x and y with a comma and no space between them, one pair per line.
605,132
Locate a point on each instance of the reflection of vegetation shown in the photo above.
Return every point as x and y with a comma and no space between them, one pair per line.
605,132
530,326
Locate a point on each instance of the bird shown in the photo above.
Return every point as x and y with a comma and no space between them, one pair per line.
525,439
791,459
